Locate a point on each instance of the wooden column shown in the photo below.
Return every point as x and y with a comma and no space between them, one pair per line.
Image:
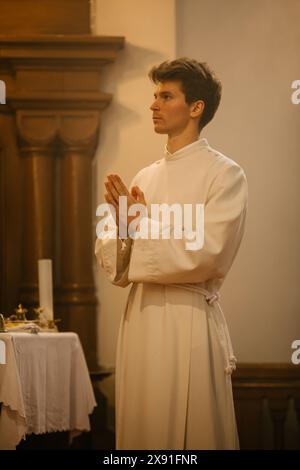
37,150
76,296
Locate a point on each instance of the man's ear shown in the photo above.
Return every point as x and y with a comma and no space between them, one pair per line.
197,108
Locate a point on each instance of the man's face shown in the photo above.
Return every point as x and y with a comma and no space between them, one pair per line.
171,113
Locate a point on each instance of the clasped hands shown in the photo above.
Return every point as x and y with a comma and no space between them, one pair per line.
116,188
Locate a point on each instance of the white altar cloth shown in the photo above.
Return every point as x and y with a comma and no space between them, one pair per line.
44,386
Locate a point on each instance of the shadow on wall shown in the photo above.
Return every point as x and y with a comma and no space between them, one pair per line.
133,63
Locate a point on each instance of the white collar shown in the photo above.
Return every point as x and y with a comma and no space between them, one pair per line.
186,150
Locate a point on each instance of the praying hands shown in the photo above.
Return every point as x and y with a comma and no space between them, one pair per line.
116,188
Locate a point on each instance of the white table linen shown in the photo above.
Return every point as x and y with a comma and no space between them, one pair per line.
44,386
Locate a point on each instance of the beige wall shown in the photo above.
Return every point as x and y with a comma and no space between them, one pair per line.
127,141
254,47
252,44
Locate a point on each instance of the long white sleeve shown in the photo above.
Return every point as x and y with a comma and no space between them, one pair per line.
113,256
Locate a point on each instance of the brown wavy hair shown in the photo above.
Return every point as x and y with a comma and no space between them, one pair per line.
198,82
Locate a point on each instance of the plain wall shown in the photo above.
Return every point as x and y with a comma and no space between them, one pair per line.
253,45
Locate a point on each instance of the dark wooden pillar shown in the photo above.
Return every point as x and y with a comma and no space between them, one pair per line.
11,190
37,152
76,297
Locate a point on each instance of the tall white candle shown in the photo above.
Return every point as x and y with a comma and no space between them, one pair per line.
45,287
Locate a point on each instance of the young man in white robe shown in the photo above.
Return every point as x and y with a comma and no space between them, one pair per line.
174,354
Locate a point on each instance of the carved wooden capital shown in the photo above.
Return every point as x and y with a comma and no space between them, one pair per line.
36,128
76,130
79,130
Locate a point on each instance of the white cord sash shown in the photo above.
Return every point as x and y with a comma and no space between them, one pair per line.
221,324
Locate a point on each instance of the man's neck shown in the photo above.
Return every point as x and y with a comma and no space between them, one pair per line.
179,141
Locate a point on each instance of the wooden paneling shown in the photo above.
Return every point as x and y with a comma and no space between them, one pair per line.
44,16
277,386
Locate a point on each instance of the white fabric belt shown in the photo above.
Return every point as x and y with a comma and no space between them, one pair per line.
221,324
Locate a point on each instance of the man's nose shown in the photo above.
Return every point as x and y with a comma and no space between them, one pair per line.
154,106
